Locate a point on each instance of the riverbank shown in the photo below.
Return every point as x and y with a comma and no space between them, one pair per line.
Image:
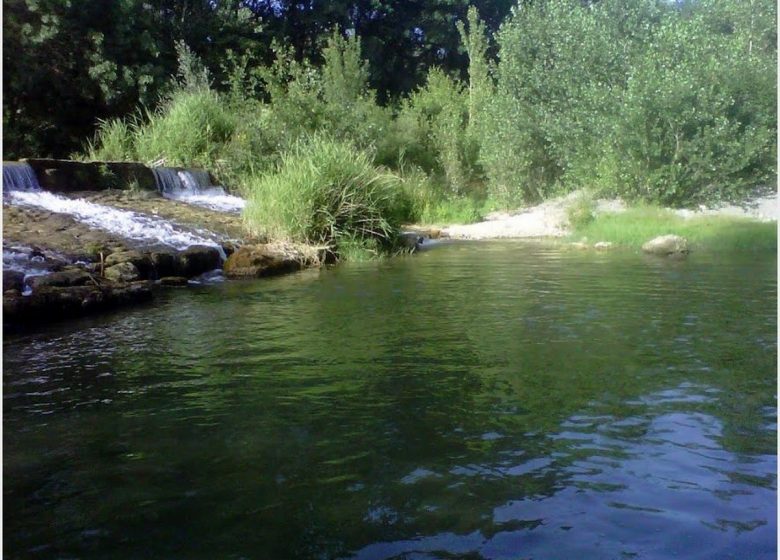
577,219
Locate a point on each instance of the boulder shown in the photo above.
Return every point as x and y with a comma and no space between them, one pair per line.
603,245
410,240
198,259
666,245
13,280
141,261
122,272
164,264
63,279
255,261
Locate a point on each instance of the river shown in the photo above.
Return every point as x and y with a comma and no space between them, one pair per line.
488,400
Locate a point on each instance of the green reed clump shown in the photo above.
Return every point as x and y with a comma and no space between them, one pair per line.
325,191
114,141
190,129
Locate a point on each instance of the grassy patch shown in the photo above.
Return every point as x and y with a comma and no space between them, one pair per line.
636,226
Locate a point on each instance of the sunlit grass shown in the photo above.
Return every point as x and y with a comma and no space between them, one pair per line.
636,226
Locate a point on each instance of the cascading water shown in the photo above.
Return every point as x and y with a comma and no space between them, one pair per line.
167,180
193,186
19,176
147,230
194,180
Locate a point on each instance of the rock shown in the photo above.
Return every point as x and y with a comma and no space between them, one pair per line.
198,259
122,272
666,245
164,264
173,281
410,240
603,245
255,261
141,261
53,302
13,280
66,278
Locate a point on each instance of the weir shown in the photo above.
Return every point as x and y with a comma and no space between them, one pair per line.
19,176
145,229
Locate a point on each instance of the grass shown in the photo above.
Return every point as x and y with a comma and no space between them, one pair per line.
636,226
327,193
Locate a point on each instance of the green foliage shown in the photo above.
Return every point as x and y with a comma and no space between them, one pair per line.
114,141
325,192
637,98
189,129
193,76
430,130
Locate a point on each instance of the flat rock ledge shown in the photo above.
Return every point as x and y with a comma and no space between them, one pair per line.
58,302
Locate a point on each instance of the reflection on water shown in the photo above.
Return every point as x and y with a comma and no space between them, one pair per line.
494,400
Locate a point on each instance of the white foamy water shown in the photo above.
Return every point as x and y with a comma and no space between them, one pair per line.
213,198
138,227
22,262
193,186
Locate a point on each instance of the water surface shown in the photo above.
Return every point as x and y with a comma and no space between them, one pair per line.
488,400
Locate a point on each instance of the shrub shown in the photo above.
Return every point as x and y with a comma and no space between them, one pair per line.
325,191
431,130
581,211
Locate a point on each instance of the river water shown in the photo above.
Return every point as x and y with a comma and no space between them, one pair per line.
487,400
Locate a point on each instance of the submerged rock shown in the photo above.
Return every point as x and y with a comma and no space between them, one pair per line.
603,245
198,259
173,281
255,261
122,272
13,280
666,245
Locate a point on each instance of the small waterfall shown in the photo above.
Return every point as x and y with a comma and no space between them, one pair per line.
167,179
19,176
147,230
194,187
195,180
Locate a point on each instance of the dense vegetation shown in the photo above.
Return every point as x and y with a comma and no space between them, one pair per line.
670,103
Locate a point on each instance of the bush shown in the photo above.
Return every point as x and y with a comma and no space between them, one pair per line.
581,211
324,192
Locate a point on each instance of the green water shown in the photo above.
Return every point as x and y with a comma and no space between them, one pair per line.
492,400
